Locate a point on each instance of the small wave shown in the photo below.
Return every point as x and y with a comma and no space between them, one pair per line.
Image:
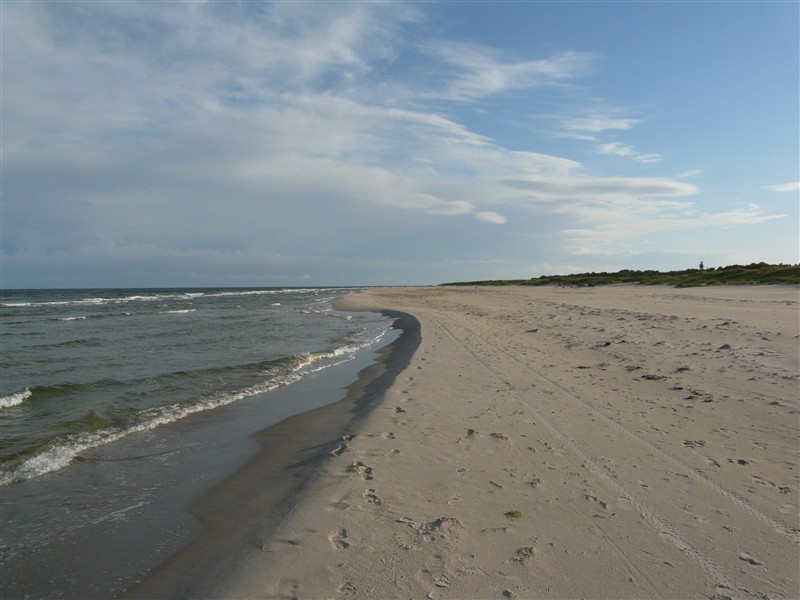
181,311
15,399
344,350
65,451
170,296
244,293
73,343
96,301
272,292
80,302
79,318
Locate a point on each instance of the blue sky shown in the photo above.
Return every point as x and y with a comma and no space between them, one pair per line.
310,143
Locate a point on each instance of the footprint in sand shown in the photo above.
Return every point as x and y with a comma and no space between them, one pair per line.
363,470
439,528
339,450
339,505
442,581
524,555
347,588
749,559
694,443
337,538
601,503
768,484
371,497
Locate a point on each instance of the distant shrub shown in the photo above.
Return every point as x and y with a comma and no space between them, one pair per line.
754,273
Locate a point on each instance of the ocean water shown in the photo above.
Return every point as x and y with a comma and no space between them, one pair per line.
117,407
82,368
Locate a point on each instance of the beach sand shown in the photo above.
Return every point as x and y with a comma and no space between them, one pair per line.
555,442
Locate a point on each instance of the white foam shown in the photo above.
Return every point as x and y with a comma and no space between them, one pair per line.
61,455
180,312
181,296
244,293
80,318
100,300
15,399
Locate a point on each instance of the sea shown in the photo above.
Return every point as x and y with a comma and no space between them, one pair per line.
118,407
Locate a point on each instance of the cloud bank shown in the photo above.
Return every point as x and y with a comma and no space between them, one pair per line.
270,143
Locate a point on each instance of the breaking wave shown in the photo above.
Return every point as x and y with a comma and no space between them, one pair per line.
63,450
15,399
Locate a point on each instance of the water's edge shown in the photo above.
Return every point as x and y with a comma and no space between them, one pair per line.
240,515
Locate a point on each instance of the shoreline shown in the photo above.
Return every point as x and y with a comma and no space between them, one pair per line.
239,516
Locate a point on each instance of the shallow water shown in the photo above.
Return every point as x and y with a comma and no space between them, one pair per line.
82,368
137,438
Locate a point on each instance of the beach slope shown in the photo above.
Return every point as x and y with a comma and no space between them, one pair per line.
611,442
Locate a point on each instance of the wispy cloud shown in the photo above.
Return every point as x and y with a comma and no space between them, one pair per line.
626,151
591,126
643,218
784,187
488,216
588,125
481,71
606,210
582,187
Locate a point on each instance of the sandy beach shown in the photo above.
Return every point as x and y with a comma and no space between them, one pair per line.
611,442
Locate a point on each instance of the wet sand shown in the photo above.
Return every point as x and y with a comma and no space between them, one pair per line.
239,517
612,442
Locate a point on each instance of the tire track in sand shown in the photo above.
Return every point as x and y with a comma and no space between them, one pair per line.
725,584
791,532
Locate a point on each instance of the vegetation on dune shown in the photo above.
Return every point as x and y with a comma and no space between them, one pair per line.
755,273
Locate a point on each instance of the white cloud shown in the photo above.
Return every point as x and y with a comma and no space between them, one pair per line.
479,71
605,210
784,187
643,218
586,126
490,217
586,187
626,151
589,127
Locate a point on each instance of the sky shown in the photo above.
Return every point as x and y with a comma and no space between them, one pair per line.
170,144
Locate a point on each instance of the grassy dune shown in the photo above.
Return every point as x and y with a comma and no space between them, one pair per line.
755,273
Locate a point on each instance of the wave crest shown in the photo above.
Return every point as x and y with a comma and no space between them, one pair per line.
15,399
63,452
